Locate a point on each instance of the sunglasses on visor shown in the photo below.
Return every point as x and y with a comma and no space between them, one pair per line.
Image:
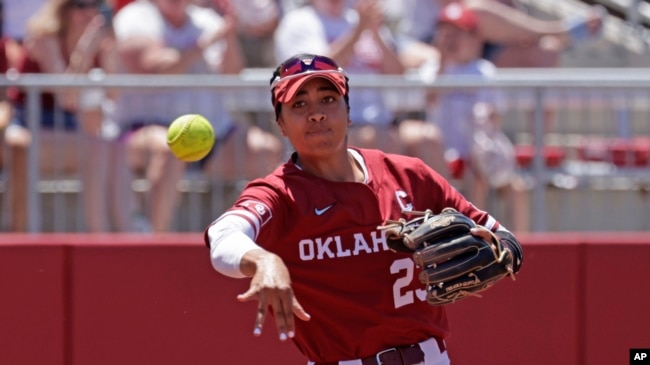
297,66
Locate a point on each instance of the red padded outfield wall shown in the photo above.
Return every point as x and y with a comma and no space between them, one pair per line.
580,299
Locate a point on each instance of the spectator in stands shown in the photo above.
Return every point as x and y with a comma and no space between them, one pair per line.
358,39
289,5
462,114
179,37
14,15
9,51
117,5
71,37
257,21
512,37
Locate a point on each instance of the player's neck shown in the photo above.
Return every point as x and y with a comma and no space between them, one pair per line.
344,168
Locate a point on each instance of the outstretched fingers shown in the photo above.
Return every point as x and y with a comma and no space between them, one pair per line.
299,312
284,306
260,314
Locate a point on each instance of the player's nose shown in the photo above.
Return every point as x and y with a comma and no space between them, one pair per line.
317,116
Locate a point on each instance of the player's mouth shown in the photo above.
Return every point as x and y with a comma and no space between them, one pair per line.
318,132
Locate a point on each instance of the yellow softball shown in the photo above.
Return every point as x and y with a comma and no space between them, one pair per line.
190,137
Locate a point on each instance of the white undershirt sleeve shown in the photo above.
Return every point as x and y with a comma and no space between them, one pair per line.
230,238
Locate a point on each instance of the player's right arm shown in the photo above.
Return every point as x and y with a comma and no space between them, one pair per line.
234,253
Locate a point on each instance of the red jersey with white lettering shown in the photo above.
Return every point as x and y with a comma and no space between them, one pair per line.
362,297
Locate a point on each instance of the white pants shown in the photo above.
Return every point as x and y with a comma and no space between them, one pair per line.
432,355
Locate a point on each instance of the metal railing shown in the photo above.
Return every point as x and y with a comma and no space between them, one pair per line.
600,104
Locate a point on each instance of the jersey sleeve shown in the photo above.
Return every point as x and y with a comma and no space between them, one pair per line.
262,207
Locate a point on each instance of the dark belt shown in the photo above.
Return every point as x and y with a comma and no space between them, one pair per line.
402,355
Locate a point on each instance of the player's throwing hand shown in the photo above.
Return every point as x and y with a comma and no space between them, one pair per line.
271,286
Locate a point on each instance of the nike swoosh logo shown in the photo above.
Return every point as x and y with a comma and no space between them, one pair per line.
321,211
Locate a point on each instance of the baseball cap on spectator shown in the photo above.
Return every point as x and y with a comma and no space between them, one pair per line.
458,15
293,73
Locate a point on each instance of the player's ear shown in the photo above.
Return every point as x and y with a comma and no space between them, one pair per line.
280,122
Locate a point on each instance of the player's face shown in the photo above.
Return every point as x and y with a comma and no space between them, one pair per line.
316,120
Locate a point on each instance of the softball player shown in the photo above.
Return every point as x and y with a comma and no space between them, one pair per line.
307,234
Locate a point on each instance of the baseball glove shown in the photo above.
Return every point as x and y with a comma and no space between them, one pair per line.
455,264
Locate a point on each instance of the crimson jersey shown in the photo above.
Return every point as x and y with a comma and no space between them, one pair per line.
362,297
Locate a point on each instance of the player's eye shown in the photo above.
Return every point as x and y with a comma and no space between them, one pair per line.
298,104
329,99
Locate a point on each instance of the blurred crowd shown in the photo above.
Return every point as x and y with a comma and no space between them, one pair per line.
122,133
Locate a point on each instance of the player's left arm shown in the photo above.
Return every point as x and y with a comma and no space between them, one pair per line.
493,230
505,238
511,243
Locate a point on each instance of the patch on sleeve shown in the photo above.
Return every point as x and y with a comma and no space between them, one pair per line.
261,210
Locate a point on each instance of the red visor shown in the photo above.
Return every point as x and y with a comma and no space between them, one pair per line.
295,72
